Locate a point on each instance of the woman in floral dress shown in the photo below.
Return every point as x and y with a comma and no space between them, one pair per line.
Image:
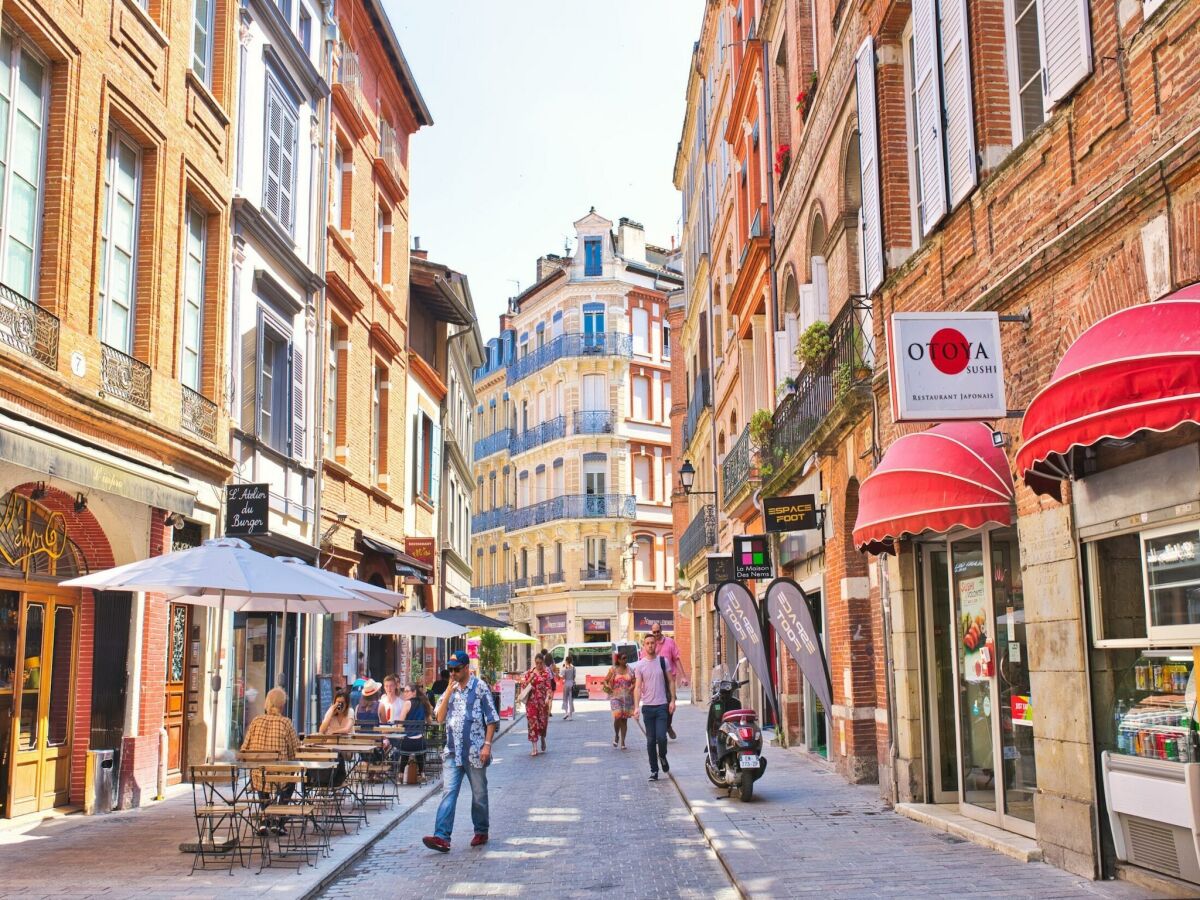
537,705
618,684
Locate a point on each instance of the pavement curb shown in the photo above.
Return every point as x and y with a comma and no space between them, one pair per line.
708,838
333,874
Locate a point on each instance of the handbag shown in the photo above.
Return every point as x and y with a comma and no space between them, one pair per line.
524,695
411,773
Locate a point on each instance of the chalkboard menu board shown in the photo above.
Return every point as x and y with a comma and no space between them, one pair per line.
324,694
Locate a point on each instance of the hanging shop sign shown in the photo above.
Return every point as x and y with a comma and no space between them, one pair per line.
797,513
553,623
945,366
720,569
740,613
247,510
646,619
789,610
751,557
420,549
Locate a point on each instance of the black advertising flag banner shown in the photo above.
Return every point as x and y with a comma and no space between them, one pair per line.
740,613
247,509
788,609
796,513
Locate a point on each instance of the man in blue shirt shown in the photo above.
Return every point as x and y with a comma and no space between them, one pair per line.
470,716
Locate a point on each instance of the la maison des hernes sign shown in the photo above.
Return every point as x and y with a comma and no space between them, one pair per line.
946,366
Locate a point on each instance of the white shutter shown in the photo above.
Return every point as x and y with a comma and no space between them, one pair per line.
956,87
298,421
928,98
274,153
287,169
1066,45
435,467
783,363
791,327
868,152
808,305
820,283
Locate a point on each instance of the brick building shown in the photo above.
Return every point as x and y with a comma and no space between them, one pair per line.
1017,159
113,427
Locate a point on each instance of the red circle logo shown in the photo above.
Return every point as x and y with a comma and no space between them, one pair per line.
949,351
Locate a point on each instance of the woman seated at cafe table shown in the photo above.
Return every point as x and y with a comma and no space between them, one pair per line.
339,719
271,732
367,715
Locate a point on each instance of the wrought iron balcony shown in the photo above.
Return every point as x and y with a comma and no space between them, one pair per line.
701,400
822,387
610,343
199,414
556,577
492,518
391,150
492,594
594,421
28,328
700,535
573,506
595,573
493,443
550,430
735,468
348,79
537,580
519,584
124,377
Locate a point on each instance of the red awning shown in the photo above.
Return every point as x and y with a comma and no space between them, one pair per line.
949,476
1135,370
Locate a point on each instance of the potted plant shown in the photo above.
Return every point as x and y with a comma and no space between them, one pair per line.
804,99
843,378
814,345
762,425
785,388
491,651
783,158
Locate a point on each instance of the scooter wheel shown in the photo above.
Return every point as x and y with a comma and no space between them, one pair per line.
746,788
713,777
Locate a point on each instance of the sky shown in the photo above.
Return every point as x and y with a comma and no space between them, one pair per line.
541,110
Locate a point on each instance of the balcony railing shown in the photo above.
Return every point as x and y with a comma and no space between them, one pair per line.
537,580
550,430
28,328
567,345
349,77
391,150
492,594
124,377
492,518
735,469
594,421
822,387
199,414
556,577
519,584
701,400
595,573
493,443
700,535
573,506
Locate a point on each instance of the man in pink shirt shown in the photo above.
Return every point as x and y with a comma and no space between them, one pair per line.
669,650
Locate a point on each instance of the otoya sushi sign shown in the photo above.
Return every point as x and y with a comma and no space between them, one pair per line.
945,366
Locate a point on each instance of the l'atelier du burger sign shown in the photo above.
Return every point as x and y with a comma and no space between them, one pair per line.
945,366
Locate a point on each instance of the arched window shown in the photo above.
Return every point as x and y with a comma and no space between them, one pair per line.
818,274
643,561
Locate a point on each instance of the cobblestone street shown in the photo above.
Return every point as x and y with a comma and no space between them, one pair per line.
580,821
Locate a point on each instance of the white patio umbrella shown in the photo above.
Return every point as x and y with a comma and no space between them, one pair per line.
413,624
226,574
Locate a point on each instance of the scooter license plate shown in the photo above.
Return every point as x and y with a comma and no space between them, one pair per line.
748,761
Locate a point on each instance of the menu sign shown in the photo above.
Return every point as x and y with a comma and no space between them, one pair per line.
420,549
720,569
798,513
247,509
946,366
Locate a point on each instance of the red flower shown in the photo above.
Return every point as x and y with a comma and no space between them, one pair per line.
782,155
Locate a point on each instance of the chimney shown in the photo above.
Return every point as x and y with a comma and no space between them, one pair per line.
417,251
631,240
549,264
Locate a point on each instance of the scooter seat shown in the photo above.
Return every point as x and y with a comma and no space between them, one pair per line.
739,714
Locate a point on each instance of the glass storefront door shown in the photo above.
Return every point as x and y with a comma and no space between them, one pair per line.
816,730
978,675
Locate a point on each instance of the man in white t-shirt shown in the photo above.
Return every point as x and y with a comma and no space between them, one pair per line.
654,690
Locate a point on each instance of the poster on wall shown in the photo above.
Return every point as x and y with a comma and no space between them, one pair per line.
508,697
972,630
473,648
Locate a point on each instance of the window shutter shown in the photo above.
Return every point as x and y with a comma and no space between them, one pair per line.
274,158
791,327
297,365
435,466
956,86
1066,45
809,308
418,455
868,152
287,169
783,357
251,355
820,283
929,135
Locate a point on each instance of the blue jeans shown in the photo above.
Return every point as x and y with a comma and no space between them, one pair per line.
453,776
655,720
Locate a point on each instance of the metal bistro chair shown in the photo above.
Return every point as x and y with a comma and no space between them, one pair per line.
435,744
299,813
215,795
326,794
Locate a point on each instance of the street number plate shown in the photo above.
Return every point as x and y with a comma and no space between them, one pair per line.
748,761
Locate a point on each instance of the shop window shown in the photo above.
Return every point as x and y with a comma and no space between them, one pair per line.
1118,604
1173,576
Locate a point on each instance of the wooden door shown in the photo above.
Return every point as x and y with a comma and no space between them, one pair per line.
174,715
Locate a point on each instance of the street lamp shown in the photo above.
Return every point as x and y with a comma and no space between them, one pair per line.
687,477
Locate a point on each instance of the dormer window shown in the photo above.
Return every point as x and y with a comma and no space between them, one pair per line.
592,256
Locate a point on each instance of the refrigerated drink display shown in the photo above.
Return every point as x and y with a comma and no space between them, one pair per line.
1159,722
